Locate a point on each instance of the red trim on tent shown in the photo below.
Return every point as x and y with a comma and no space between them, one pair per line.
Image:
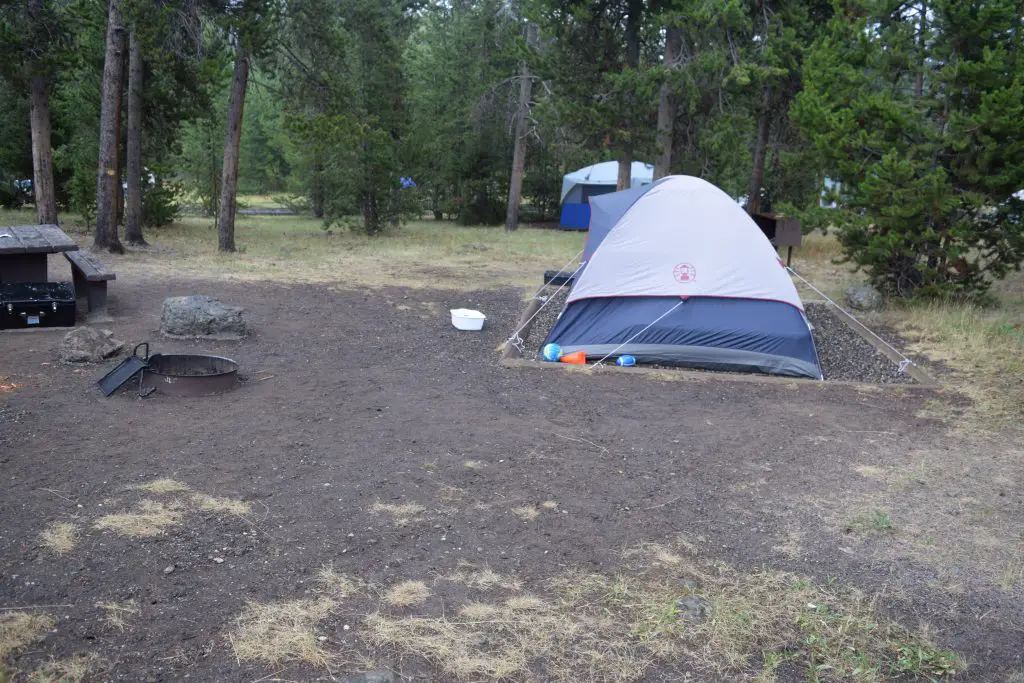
684,297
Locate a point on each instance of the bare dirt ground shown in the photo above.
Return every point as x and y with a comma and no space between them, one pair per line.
380,495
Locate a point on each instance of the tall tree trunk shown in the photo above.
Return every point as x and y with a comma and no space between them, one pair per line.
39,118
133,162
42,152
633,19
232,145
515,186
211,145
760,147
625,177
121,125
318,185
107,180
667,105
370,213
922,25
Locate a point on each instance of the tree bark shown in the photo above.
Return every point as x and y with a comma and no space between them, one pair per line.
42,152
922,26
39,118
625,177
370,213
232,145
107,180
214,180
667,105
318,185
760,147
633,19
515,186
133,151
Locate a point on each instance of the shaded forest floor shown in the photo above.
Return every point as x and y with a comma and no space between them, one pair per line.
380,495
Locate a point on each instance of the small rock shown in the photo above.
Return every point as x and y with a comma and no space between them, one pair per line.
89,345
372,677
201,317
692,608
168,569
863,298
218,560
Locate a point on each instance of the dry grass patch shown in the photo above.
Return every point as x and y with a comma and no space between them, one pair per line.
985,347
230,506
1012,575
481,579
335,584
474,464
163,486
281,632
527,513
74,669
59,537
407,594
21,629
150,518
791,547
117,614
525,638
297,249
871,472
400,514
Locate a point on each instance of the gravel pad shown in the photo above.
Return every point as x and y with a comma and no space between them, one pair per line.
845,355
842,353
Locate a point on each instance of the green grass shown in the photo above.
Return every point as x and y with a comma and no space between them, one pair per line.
875,521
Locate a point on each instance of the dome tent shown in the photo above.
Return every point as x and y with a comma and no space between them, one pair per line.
677,273
591,181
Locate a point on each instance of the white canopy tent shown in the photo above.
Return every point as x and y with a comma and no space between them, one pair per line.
603,175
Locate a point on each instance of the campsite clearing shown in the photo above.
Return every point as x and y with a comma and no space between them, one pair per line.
664,529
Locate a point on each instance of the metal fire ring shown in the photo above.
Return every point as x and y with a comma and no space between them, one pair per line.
189,374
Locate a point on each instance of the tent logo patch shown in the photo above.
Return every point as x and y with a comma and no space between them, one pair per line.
684,273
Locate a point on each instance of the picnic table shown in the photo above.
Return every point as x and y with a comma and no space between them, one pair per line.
23,250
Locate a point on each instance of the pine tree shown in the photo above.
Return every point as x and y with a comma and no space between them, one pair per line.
918,110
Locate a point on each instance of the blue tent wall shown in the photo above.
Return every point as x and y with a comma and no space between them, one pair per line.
739,335
574,216
576,207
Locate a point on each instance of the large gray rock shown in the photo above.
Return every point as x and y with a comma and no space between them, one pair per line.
89,345
863,298
203,317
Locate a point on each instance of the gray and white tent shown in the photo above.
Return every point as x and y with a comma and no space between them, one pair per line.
677,273
597,179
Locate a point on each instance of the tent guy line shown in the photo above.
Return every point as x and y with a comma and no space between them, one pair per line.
517,341
903,364
649,325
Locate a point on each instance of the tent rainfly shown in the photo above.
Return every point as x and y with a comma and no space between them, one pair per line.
677,273
598,179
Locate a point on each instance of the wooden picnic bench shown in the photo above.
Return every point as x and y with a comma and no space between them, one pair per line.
91,278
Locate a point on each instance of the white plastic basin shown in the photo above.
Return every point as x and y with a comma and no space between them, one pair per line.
467,319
